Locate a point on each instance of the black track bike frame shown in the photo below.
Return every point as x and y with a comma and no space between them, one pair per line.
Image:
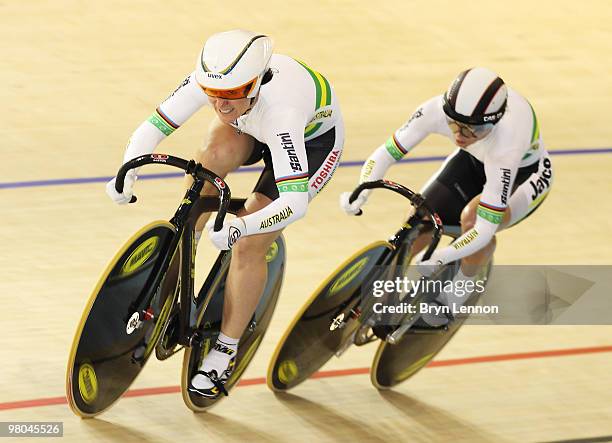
424,219
184,224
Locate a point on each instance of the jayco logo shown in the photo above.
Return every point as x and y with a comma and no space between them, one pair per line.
543,182
506,185
212,75
234,235
287,144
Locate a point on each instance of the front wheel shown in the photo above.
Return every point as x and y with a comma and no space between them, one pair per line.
324,325
121,323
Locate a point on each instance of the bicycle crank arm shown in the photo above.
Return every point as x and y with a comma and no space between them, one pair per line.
347,344
397,335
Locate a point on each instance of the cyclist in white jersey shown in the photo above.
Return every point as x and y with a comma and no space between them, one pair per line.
499,174
268,106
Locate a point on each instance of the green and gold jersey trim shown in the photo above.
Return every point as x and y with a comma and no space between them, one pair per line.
323,96
394,148
295,183
491,213
535,135
162,122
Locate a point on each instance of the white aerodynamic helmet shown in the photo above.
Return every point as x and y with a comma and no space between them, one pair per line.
232,64
476,97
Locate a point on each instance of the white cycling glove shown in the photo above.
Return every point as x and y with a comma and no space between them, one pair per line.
229,234
355,207
128,189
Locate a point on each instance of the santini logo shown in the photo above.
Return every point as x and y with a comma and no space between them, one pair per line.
287,145
506,185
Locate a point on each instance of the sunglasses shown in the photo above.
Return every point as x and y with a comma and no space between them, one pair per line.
241,91
469,131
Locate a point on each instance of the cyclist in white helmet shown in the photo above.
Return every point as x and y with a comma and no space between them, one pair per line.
499,174
268,106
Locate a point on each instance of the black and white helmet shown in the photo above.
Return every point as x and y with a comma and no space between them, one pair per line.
476,97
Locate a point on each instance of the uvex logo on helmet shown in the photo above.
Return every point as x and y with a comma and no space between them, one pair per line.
477,96
234,59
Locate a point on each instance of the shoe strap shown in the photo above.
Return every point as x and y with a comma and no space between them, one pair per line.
212,376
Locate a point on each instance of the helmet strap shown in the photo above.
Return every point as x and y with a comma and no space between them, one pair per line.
267,77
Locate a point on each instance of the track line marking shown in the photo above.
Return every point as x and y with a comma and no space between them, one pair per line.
51,401
246,169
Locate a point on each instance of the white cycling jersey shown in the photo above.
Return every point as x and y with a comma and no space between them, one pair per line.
514,142
296,105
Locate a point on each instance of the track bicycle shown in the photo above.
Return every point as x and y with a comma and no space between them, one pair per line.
145,301
341,311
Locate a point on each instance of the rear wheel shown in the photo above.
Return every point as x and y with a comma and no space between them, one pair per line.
395,363
209,316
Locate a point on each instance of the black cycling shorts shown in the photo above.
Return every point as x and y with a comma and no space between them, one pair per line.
317,150
462,178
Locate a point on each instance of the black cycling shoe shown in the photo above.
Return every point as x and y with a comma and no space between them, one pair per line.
217,381
422,325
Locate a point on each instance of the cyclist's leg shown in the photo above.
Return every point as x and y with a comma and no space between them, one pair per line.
248,269
531,187
224,151
244,285
449,190
530,192
460,178
247,273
